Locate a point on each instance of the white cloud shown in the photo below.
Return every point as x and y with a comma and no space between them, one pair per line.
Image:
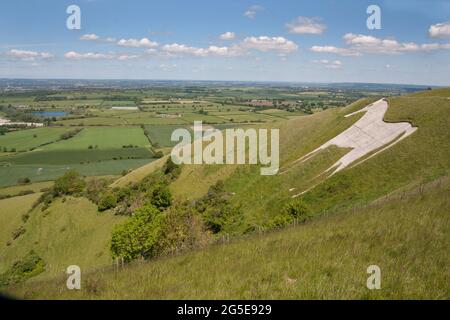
335,50
89,56
335,64
305,25
89,37
279,45
358,44
27,55
176,49
440,30
124,57
264,43
227,36
252,11
137,43
370,44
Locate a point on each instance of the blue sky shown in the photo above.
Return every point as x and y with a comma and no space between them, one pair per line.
283,40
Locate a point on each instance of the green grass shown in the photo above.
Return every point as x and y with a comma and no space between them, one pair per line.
106,157
61,157
324,259
161,134
9,175
35,187
104,138
23,140
11,218
70,232
95,121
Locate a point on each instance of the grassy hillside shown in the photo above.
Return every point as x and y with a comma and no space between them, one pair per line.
71,230
406,235
324,259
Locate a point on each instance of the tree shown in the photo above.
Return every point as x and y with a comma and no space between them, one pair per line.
107,201
138,237
161,197
70,183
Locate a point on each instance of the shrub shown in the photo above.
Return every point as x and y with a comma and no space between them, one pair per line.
29,266
138,236
18,232
298,210
95,189
171,169
107,201
71,183
183,229
159,154
161,197
25,180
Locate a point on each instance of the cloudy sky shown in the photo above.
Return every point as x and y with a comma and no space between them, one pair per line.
273,40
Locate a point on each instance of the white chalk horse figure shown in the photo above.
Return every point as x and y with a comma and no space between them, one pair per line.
368,134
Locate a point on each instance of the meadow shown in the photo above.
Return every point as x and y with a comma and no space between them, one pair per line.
24,140
92,151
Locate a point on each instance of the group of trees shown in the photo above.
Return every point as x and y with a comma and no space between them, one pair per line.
156,224
69,134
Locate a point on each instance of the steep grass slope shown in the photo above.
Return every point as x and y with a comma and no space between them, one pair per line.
421,157
70,231
406,235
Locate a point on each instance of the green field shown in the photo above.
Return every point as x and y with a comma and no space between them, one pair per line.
104,138
93,151
9,175
23,140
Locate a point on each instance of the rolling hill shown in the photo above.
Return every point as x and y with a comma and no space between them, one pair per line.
390,210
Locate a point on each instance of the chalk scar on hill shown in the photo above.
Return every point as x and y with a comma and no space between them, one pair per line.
370,133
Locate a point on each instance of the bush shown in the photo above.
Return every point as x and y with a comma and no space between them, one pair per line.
29,266
18,232
107,201
216,209
71,183
25,180
171,169
159,154
138,237
183,229
298,210
95,189
161,197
